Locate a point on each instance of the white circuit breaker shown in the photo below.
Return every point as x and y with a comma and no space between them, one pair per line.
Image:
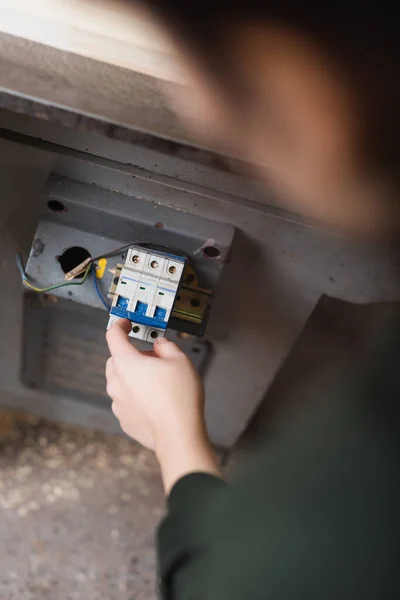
146,291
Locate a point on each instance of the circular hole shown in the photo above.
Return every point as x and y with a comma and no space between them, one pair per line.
56,206
70,294
195,349
154,335
211,252
135,259
154,264
135,329
72,257
194,302
190,278
172,270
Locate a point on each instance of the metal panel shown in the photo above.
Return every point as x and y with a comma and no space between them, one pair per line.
64,350
101,221
141,152
278,270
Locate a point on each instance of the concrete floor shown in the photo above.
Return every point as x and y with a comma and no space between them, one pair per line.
78,513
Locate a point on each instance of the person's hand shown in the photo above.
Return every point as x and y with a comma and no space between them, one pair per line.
158,399
152,393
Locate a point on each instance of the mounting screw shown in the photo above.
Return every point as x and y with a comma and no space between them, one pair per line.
154,264
172,270
135,329
154,335
135,259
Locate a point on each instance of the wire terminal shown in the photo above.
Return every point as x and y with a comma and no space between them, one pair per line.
81,268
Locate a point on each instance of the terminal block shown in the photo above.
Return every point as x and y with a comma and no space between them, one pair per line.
146,291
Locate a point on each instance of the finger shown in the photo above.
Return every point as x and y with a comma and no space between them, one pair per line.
117,337
112,388
109,368
163,348
114,408
116,390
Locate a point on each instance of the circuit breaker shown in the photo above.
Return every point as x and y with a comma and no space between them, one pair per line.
146,290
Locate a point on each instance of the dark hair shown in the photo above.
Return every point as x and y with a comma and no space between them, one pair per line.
361,36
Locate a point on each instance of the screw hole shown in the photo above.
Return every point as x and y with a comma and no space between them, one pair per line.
154,335
135,329
211,252
56,206
154,264
194,302
172,270
70,294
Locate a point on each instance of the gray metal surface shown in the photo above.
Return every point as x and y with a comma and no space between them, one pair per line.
101,221
140,151
334,345
278,270
64,350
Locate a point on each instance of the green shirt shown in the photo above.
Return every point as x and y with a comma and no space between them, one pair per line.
315,516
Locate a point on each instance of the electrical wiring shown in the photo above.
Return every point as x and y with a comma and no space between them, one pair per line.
20,265
97,289
144,245
90,267
72,276
27,283
89,261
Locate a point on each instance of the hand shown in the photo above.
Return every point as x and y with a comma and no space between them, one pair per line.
158,399
152,392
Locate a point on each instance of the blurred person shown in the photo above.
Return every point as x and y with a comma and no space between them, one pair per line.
307,93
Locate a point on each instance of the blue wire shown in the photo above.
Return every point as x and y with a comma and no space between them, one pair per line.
98,292
20,265
21,269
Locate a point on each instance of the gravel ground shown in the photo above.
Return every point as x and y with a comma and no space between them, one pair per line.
78,512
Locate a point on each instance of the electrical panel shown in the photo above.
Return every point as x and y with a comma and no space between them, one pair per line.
146,290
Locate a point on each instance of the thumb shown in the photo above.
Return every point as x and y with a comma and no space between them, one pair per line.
163,348
117,337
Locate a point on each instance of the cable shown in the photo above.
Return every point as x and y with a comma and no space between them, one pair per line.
98,292
116,251
88,261
152,245
27,283
20,265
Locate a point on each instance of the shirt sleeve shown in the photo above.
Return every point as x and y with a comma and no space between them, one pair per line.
184,537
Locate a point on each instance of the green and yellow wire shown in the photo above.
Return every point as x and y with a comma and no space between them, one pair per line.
28,284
